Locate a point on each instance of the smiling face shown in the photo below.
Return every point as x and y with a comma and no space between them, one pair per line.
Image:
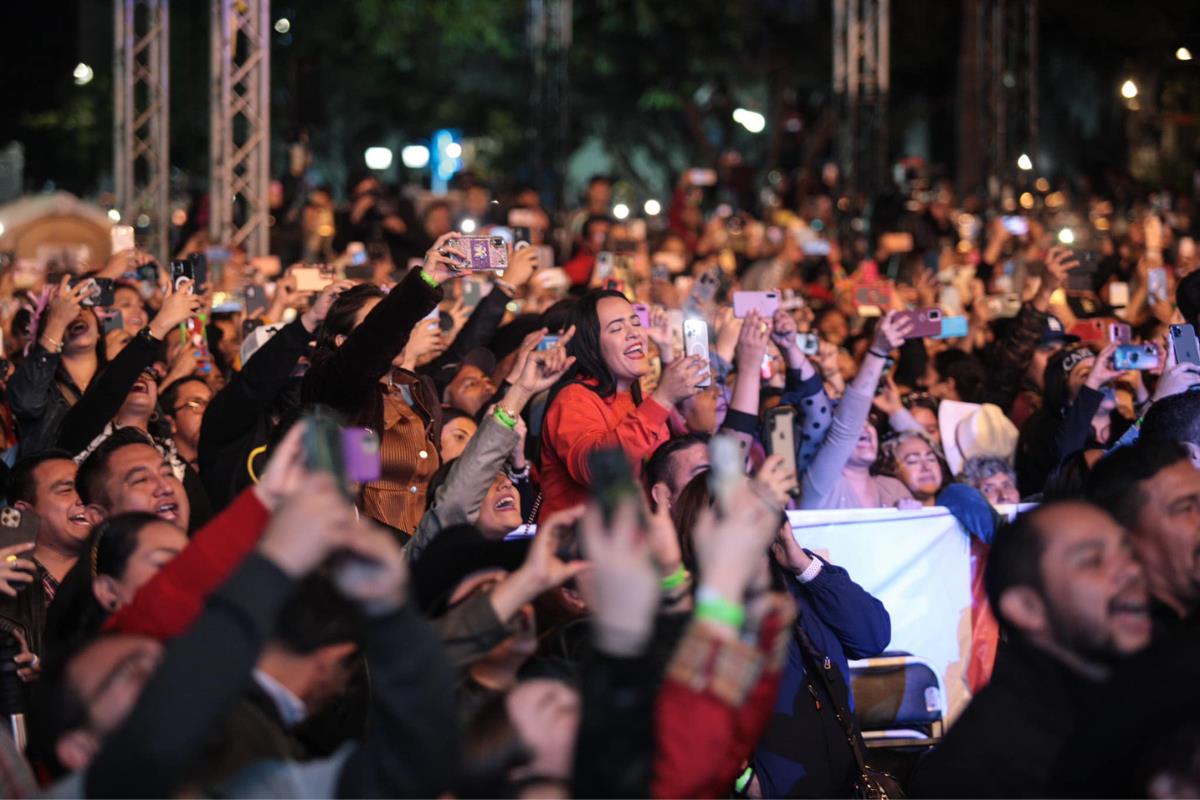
918,468
58,506
139,403
622,341
500,513
133,311
138,478
1096,603
1166,536
865,449
469,390
191,401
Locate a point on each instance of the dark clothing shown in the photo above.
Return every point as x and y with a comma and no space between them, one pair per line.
238,419
614,754
1048,439
25,614
253,732
1008,740
107,392
478,331
41,392
804,752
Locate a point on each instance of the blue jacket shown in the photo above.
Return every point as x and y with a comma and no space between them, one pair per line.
804,750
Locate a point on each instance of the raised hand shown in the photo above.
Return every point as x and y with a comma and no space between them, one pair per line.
622,590
316,314
371,569
16,572
179,305
542,570
65,305
680,380
522,264
310,525
285,470
752,342
1059,262
890,333
775,481
659,332
730,550
439,263
1103,371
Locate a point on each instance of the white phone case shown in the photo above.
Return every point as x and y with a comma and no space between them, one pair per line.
695,343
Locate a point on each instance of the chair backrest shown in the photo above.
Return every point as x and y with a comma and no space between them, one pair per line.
900,691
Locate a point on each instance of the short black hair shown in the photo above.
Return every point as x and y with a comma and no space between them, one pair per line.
969,378
1115,481
1187,297
658,467
22,486
317,615
1015,558
1173,419
93,471
170,395
594,219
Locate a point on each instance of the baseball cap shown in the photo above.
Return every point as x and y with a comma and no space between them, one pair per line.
1054,333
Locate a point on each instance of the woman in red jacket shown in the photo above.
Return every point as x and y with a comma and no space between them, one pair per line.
599,405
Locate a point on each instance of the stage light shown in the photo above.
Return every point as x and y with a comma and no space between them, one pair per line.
114,215
1183,54
454,150
1129,90
1025,163
620,211
750,120
283,25
652,208
1066,236
83,74
415,156
378,157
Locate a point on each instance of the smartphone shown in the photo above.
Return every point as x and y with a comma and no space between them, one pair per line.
695,343
1157,283
726,470
18,527
815,248
122,237
953,328
199,262
809,343
548,341
504,233
472,293
899,242
113,322
1119,333
781,438
480,253
1083,277
1090,330
324,449
101,294
1187,347
1003,306
356,254
705,288
1135,356
181,270
1118,294
702,177
606,260
612,481
256,299
926,322
874,294
643,313
765,303
522,236
1016,225
523,218
360,455
310,279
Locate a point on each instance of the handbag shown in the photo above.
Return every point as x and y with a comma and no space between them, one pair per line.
871,783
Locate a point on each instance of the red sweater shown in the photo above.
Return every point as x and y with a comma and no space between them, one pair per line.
169,603
580,422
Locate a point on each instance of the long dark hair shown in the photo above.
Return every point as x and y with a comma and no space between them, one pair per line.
75,611
340,319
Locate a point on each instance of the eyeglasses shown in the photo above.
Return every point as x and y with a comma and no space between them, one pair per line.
194,405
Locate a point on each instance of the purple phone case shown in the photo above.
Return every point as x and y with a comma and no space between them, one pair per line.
360,454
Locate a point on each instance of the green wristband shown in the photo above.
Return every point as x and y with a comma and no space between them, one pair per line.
430,281
676,579
504,419
714,608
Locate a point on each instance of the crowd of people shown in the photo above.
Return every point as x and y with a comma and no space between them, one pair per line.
390,522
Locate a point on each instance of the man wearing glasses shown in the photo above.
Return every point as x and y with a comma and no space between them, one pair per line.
184,403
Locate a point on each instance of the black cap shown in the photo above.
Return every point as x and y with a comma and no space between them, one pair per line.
454,554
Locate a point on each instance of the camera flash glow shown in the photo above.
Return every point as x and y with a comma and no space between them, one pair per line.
1129,90
1066,236
467,226
114,215
83,74
415,156
283,25
652,207
620,211
1183,54
750,120
1025,162
378,157
454,150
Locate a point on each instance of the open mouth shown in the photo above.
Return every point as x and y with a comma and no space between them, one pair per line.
77,328
168,511
78,519
507,502
140,387
1134,608
635,352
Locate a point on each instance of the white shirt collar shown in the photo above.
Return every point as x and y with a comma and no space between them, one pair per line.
291,708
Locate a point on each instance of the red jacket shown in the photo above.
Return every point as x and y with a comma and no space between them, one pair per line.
717,699
578,423
169,603
579,269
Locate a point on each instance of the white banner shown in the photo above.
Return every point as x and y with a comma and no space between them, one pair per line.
917,563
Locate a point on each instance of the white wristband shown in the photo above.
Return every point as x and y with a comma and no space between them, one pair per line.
811,571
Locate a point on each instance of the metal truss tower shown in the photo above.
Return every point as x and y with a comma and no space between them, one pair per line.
861,66
998,91
141,164
550,29
240,125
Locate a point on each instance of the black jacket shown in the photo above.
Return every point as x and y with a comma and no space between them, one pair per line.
1007,742
238,419
41,392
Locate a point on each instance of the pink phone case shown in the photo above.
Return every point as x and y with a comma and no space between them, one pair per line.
643,312
926,322
765,303
481,253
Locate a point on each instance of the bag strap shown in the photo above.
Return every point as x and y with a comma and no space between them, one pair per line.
821,666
